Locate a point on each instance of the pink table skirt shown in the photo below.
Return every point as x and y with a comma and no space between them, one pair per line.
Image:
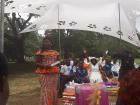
83,91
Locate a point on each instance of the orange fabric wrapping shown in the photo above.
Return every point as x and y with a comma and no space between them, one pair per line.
67,101
85,66
47,57
46,71
68,94
49,53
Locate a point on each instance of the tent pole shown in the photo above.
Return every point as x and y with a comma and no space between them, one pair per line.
119,18
2,26
59,34
59,41
119,12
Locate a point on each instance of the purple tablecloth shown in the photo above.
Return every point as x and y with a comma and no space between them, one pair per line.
84,90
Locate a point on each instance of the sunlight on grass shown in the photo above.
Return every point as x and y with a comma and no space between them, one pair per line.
137,60
22,84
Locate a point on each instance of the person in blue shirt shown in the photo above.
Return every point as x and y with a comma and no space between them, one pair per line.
81,74
107,67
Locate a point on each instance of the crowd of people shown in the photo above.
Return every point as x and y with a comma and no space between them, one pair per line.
82,70
54,75
103,69
95,69
87,70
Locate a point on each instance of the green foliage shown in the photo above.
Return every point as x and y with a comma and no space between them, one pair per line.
74,41
137,60
18,45
32,44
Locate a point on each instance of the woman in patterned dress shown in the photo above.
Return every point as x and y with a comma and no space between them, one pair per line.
48,74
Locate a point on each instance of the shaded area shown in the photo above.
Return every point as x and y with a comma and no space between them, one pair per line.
24,86
25,98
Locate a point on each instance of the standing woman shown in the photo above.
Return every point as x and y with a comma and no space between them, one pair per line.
4,86
94,72
48,73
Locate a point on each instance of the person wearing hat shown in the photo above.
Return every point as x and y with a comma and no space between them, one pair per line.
94,71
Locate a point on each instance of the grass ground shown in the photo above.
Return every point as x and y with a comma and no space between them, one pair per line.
137,60
24,86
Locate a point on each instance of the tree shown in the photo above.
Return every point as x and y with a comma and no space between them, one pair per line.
73,41
16,24
32,43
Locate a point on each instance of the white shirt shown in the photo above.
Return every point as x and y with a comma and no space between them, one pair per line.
65,69
94,68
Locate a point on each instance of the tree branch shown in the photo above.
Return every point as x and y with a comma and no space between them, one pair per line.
19,23
14,26
30,16
8,19
19,15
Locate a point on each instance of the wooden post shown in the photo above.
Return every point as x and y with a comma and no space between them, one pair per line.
2,26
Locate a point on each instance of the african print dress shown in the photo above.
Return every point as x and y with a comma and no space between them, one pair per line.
48,76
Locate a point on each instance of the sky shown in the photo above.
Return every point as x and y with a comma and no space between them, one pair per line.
138,24
41,32
25,16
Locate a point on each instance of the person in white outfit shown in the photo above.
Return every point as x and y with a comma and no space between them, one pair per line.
94,72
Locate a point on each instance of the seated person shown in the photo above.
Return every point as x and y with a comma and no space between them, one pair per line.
65,76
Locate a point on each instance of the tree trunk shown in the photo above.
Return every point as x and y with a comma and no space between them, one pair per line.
20,51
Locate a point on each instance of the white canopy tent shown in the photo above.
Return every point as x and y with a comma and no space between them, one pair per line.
131,7
129,4
103,18
92,15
